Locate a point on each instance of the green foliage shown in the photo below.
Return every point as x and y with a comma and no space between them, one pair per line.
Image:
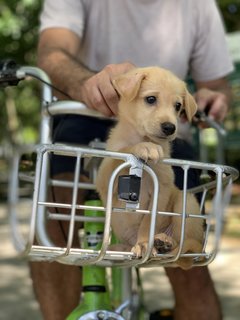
19,22
231,13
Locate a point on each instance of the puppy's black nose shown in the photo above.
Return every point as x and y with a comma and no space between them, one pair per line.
168,128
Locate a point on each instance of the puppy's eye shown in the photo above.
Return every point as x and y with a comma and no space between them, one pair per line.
151,100
177,106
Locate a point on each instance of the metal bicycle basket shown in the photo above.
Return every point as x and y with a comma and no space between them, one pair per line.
34,240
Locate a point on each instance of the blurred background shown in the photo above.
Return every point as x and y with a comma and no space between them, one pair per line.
19,122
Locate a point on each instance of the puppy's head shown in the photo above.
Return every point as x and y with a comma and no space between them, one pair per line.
152,99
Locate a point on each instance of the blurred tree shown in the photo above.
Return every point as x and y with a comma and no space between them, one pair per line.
18,29
18,38
231,14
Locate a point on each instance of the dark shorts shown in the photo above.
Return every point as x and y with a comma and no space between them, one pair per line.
81,130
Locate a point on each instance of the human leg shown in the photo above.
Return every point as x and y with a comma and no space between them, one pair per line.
195,295
57,286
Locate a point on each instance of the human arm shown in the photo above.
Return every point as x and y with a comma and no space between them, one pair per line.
57,54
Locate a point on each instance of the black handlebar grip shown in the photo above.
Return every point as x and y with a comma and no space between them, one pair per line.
8,76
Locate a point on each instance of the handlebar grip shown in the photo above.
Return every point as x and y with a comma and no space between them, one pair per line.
8,73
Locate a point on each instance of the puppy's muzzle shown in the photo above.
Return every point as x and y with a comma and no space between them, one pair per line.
168,128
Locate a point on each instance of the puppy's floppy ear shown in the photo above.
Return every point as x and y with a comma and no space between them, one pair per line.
127,85
190,105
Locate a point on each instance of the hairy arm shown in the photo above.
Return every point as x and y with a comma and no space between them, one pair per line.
57,52
57,55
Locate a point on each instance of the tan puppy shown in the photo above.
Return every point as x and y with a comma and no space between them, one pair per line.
151,100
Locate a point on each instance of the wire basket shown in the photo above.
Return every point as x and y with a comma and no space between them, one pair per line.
215,196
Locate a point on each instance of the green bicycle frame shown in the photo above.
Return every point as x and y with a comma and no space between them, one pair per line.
95,295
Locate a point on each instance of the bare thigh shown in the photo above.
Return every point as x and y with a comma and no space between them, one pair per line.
57,286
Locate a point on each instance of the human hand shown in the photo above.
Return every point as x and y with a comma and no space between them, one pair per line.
98,93
212,102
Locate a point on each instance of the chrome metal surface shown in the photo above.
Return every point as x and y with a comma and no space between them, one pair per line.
215,193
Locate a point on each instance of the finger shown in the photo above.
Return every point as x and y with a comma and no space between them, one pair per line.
204,99
110,96
97,102
218,110
92,97
107,90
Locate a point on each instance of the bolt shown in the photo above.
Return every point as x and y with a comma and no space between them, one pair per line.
133,196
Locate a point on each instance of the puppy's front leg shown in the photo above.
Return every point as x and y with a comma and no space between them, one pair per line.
162,242
142,238
146,151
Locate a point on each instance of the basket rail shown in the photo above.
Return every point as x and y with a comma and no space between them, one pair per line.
219,190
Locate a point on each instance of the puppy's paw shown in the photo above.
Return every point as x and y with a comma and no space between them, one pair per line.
139,249
148,151
163,243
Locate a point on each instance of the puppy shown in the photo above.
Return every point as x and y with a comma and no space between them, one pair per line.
151,101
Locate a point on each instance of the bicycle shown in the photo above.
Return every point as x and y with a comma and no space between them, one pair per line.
102,300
